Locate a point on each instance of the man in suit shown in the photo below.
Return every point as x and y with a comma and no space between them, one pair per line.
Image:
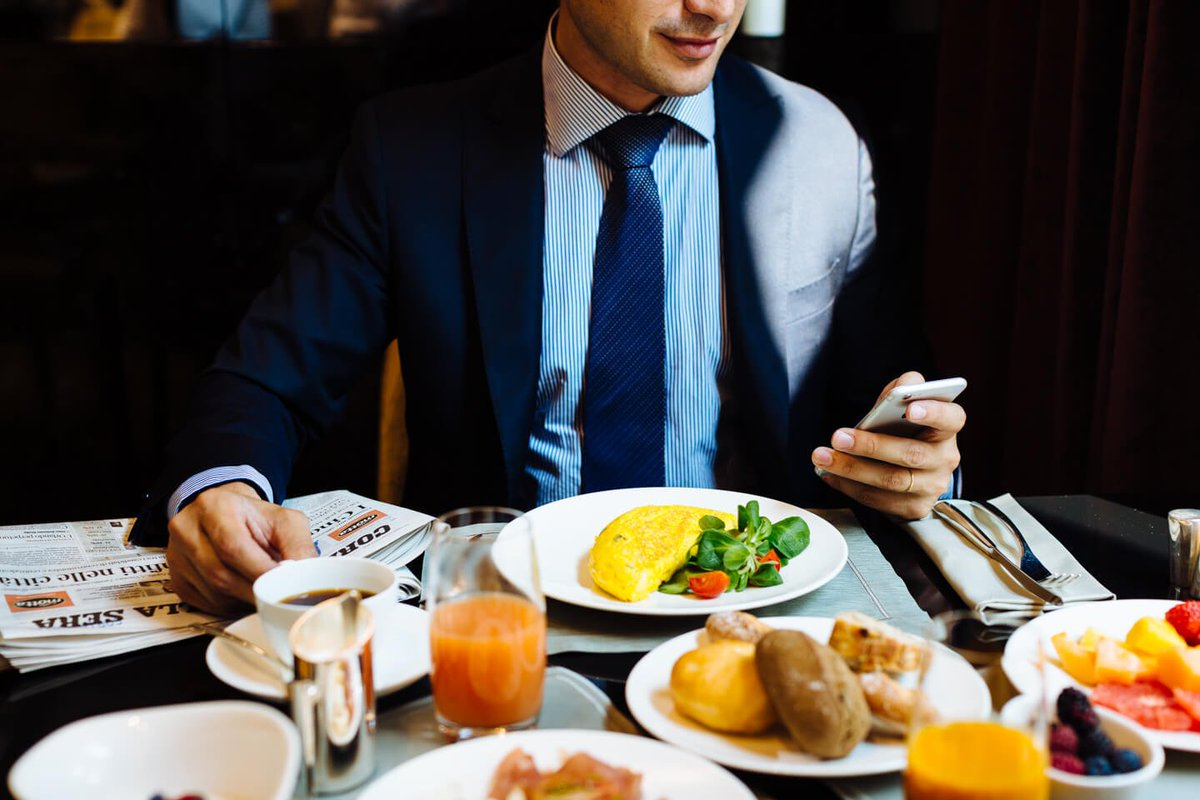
693,242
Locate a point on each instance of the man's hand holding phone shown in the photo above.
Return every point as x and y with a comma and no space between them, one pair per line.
902,475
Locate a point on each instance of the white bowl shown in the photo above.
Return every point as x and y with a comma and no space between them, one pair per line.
1125,733
225,750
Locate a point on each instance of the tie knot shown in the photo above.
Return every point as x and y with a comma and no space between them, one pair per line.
633,140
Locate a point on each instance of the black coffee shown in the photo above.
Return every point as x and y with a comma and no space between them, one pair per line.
311,598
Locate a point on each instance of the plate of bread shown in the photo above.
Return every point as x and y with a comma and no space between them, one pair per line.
801,696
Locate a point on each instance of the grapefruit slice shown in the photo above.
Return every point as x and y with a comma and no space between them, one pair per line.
1147,703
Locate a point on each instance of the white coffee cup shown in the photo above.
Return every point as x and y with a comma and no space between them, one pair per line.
292,578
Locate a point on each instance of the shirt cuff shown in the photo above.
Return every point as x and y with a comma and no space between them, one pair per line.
216,476
954,491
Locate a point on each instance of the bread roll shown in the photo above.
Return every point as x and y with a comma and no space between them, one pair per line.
718,686
736,625
815,694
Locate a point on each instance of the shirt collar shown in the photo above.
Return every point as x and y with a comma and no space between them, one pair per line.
575,111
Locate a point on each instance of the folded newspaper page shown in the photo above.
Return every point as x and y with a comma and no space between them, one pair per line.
74,591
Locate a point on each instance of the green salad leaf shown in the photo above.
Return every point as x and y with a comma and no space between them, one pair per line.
742,554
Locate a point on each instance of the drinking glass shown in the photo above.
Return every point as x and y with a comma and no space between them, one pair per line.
487,630
957,750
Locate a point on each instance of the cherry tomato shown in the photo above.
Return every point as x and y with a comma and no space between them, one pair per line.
709,584
770,556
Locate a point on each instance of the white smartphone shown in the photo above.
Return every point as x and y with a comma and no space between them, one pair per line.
888,414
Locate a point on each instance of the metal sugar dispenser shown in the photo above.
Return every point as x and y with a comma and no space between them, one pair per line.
1183,527
333,694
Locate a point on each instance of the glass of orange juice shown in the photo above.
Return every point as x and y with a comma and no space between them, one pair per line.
487,631
955,752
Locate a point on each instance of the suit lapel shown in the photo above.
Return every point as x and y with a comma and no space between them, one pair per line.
504,216
748,118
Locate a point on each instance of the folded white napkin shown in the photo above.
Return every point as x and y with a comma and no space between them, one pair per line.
986,585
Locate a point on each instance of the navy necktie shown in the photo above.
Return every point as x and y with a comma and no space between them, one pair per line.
624,394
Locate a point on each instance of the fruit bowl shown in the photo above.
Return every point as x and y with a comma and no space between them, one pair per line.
1124,733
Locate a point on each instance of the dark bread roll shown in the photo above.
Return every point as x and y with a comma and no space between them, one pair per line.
815,694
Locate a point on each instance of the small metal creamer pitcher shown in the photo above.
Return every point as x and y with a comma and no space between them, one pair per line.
333,694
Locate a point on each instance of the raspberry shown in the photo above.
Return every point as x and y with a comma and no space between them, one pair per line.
1096,743
1126,760
1097,765
1066,762
1063,739
1185,618
1075,710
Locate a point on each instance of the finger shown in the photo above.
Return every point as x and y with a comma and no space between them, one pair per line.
213,575
945,419
186,581
906,379
916,454
289,534
889,477
906,506
236,546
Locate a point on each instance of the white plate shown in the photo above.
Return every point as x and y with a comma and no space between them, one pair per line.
963,695
1112,617
400,648
667,772
564,532
227,750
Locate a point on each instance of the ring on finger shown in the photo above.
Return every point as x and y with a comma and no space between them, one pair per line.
911,481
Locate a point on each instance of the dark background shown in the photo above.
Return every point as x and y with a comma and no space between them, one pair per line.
149,188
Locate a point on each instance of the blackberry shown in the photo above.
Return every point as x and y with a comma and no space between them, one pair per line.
1076,710
1126,760
1096,743
1063,739
1097,765
1067,762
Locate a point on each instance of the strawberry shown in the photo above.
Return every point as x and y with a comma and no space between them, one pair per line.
1185,618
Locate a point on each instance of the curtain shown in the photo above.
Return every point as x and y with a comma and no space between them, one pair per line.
1062,264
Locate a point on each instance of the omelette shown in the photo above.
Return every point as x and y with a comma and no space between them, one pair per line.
643,547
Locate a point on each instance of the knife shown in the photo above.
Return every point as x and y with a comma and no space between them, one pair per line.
974,534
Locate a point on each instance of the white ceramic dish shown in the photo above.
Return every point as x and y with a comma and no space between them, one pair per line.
227,750
564,531
1124,733
400,649
964,695
1112,617
668,773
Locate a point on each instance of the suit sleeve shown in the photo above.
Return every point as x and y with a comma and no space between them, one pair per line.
285,374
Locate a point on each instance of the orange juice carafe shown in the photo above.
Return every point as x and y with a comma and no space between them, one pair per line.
974,761
489,656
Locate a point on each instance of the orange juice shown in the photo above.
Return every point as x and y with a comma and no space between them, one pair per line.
974,761
489,659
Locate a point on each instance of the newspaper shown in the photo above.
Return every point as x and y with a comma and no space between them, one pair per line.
77,590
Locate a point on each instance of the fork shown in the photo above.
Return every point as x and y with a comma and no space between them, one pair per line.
969,529
1031,565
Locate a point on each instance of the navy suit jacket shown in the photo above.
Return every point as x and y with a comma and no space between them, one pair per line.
433,235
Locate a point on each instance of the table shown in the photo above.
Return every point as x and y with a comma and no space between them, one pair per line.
1124,548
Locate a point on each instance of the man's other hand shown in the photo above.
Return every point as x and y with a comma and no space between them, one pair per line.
894,474
227,537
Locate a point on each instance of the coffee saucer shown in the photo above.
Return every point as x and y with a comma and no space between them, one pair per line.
400,649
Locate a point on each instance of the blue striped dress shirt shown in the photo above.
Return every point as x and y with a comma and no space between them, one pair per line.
576,179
